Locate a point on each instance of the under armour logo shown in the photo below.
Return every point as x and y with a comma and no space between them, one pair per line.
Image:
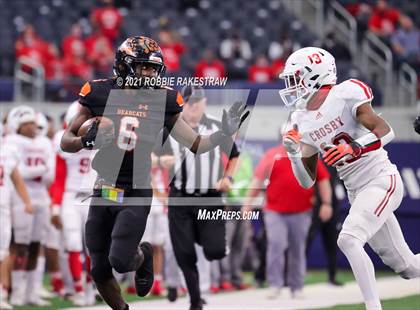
318,115
92,143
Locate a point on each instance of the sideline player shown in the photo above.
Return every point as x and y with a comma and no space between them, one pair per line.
73,182
338,121
10,179
37,167
114,227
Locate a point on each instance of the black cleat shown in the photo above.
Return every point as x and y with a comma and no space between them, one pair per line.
172,294
335,282
144,275
199,306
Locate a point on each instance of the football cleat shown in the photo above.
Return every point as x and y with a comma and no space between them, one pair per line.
144,275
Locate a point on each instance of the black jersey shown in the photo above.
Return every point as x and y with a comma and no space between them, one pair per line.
138,116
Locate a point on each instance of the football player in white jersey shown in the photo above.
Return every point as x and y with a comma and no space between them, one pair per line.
337,120
37,167
9,178
50,252
73,183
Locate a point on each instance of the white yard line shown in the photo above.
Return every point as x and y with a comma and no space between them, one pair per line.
316,296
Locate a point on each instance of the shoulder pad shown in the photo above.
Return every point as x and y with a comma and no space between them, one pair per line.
356,90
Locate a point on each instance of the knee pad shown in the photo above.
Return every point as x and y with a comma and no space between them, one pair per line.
73,240
120,265
346,242
125,264
215,254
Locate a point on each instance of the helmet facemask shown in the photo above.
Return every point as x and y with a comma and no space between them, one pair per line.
295,91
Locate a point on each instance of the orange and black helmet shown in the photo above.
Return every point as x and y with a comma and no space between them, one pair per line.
138,50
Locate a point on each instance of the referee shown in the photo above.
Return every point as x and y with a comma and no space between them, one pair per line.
197,183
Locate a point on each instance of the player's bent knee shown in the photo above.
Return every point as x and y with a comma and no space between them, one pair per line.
346,242
215,254
74,243
411,272
120,264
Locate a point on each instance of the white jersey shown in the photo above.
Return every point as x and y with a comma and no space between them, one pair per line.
79,175
36,164
8,162
335,122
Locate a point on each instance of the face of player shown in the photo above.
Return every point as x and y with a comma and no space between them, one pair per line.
193,112
146,70
28,129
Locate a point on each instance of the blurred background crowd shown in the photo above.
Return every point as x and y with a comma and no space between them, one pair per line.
59,44
74,41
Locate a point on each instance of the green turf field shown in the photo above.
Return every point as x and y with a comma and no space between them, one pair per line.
406,303
313,277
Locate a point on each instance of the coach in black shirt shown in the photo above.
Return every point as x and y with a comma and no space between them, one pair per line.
197,183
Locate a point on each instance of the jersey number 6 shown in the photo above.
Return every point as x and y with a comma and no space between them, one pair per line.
127,138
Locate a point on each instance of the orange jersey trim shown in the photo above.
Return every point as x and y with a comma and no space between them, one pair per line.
179,99
86,89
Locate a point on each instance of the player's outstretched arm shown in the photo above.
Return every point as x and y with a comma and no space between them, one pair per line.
303,157
231,122
70,142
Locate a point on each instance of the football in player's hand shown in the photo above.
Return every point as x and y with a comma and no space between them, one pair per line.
96,132
105,125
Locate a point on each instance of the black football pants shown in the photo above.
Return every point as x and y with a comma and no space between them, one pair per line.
186,230
113,232
329,231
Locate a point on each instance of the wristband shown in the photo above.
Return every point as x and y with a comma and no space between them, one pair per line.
55,210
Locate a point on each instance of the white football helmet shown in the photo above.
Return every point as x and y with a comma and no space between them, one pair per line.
42,124
306,70
20,115
71,112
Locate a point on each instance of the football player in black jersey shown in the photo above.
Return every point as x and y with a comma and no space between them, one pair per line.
122,194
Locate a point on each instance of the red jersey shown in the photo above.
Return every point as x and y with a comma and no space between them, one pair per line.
171,54
109,21
284,194
72,46
259,74
214,69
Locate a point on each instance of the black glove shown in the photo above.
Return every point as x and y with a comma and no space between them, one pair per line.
96,137
417,124
233,118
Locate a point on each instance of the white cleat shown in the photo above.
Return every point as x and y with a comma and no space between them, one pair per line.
79,299
37,301
45,294
274,293
90,296
17,299
298,294
5,306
